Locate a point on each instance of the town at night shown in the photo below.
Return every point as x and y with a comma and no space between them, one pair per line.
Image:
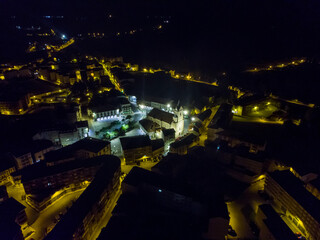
162,120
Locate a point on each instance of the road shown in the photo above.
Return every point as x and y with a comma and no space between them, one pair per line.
237,219
47,218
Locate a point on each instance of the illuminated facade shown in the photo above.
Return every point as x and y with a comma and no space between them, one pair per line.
83,218
297,204
168,120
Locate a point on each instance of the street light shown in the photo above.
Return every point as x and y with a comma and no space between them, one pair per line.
185,112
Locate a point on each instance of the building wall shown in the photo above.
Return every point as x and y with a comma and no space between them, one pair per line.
133,155
292,209
91,221
60,180
38,156
5,176
24,160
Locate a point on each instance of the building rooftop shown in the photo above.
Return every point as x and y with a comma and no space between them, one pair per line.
275,224
184,141
168,132
103,108
204,115
295,188
135,142
161,115
250,138
82,124
156,144
40,169
148,125
79,210
89,144
139,176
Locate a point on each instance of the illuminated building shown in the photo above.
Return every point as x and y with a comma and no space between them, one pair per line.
40,177
168,120
141,148
271,226
136,148
83,218
295,202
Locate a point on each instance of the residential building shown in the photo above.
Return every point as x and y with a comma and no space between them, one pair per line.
136,148
168,136
271,226
83,218
83,149
40,177
7,166
295,202
182,145
157,146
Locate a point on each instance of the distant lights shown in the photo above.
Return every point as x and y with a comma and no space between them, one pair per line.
192,119
63,36
185,112
168,105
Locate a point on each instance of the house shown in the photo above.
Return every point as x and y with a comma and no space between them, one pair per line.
85,148
182,145
136,148
141,148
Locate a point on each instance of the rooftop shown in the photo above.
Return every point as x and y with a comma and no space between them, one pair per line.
156,144
167,132
161,115
184,141
40,169
139,176
89,144
148,125
275,224
135,142
204,115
